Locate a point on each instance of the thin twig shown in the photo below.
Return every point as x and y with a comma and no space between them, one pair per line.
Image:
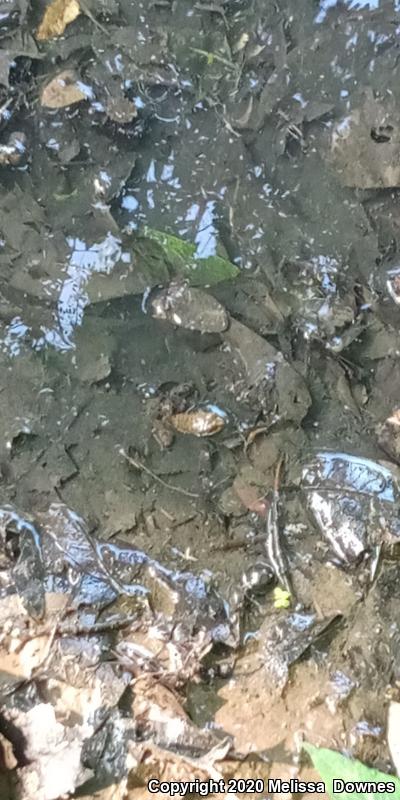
272,543
214,57
237,544
138,465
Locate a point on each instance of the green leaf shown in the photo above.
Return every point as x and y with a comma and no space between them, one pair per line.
331,764
182,260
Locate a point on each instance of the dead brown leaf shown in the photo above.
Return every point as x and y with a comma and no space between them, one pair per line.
249,496
62,91
56,18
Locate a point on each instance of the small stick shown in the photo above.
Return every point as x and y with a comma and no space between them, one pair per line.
236,544
272,543
138,465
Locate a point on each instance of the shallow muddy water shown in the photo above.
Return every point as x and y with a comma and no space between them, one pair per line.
199,337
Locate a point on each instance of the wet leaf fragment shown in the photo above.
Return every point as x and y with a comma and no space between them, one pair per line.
285,639
62,91
250,496
13,152
121,110
365,145
57,16
182,259
272,381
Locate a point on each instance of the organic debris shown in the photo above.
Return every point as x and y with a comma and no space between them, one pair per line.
189,308
61,593
389,435
13,153
284,638
63,90
354,502
57,16
199,346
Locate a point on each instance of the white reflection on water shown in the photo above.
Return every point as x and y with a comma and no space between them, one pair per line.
72,300
325,5
84,261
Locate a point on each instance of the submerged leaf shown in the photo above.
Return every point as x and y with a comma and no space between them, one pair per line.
56,18
181,256
62,91
333,765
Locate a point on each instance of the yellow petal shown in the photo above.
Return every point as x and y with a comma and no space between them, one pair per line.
281,598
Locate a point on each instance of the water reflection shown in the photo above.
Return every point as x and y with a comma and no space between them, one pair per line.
325,5
264,190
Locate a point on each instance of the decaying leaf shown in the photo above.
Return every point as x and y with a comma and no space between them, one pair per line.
389,434
121,110
183,260
250,496
62,91
56,18
13,151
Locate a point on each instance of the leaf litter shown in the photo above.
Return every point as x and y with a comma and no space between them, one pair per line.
224,170
57,16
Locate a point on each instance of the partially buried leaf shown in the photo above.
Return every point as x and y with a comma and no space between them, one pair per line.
250,496
62,91
182,258
121,110
365,144
56,18
189,308
332,765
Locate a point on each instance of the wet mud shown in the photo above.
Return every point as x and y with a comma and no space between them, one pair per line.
199,390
